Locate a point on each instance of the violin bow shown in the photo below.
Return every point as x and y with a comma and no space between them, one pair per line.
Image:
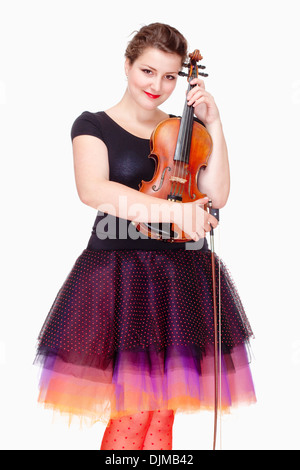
217,335
196,57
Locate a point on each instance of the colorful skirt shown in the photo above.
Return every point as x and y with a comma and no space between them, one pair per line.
132,330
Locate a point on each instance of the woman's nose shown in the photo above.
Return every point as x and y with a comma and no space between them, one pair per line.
156,84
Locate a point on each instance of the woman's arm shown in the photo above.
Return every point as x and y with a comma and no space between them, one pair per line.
95,190
214,180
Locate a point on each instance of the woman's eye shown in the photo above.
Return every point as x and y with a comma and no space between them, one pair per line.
149,72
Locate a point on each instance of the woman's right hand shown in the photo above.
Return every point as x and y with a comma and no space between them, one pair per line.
194,220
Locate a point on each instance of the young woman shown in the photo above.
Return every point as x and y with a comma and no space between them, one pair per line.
129,338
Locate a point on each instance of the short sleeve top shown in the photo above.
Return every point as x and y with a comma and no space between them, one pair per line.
127,154
129,165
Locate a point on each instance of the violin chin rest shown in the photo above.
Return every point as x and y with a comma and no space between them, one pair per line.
162,231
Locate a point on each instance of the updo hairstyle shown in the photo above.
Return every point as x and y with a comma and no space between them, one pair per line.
160,36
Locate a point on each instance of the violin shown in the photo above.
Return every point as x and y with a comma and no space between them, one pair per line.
180,147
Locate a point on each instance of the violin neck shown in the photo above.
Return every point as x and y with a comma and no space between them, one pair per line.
183,147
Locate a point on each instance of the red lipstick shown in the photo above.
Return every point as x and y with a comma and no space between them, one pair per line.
154,97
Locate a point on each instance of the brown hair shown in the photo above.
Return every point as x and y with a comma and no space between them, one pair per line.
158,35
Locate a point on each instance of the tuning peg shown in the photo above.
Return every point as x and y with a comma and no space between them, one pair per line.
183,74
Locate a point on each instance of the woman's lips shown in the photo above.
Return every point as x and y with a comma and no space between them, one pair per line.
154,97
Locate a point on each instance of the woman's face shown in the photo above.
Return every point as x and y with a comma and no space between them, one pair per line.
152,77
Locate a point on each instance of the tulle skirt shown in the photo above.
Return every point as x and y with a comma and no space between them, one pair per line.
132,330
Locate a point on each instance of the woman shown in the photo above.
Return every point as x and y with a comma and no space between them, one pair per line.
129,338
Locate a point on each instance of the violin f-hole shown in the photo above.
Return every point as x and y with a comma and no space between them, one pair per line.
161,179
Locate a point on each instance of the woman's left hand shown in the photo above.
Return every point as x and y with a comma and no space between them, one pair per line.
203,102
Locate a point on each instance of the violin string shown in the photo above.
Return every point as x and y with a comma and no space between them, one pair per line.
181,174
190,131
172,184
187,139
180,166
177,163
174,192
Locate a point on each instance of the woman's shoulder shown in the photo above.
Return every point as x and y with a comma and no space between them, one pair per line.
88,123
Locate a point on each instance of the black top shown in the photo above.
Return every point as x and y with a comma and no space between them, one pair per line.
129,165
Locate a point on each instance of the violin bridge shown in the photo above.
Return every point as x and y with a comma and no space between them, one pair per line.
178,180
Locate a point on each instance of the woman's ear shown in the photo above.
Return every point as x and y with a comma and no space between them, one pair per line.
127,66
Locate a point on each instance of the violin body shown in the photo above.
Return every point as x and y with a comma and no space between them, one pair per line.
175,180
180,148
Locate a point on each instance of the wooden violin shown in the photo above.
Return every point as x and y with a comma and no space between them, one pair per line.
180,148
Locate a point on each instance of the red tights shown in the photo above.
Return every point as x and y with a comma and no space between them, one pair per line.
147,430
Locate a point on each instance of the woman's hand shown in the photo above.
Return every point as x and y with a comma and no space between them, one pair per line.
194,220
203,102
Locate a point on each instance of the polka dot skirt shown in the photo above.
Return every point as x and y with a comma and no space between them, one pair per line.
150,312
139,299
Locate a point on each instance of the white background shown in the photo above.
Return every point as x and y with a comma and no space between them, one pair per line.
59,58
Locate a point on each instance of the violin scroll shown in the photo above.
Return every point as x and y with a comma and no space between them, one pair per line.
193,66
195,56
